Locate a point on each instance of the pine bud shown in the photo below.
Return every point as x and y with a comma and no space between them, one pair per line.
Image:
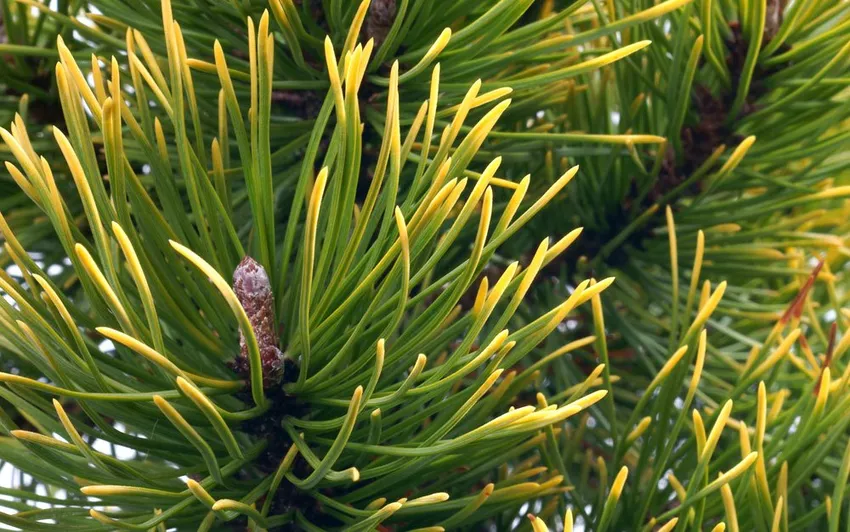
380,20
253,289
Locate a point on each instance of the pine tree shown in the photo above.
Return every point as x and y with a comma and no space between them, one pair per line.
351,265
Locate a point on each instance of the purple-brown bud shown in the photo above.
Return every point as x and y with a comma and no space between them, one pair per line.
254,291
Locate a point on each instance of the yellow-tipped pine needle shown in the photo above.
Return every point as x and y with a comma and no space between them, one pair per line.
716,430
537,524
103,490
638,431
729,507
240,507
699,432
669,525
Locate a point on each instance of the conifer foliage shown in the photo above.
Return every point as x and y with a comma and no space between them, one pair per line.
407,265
